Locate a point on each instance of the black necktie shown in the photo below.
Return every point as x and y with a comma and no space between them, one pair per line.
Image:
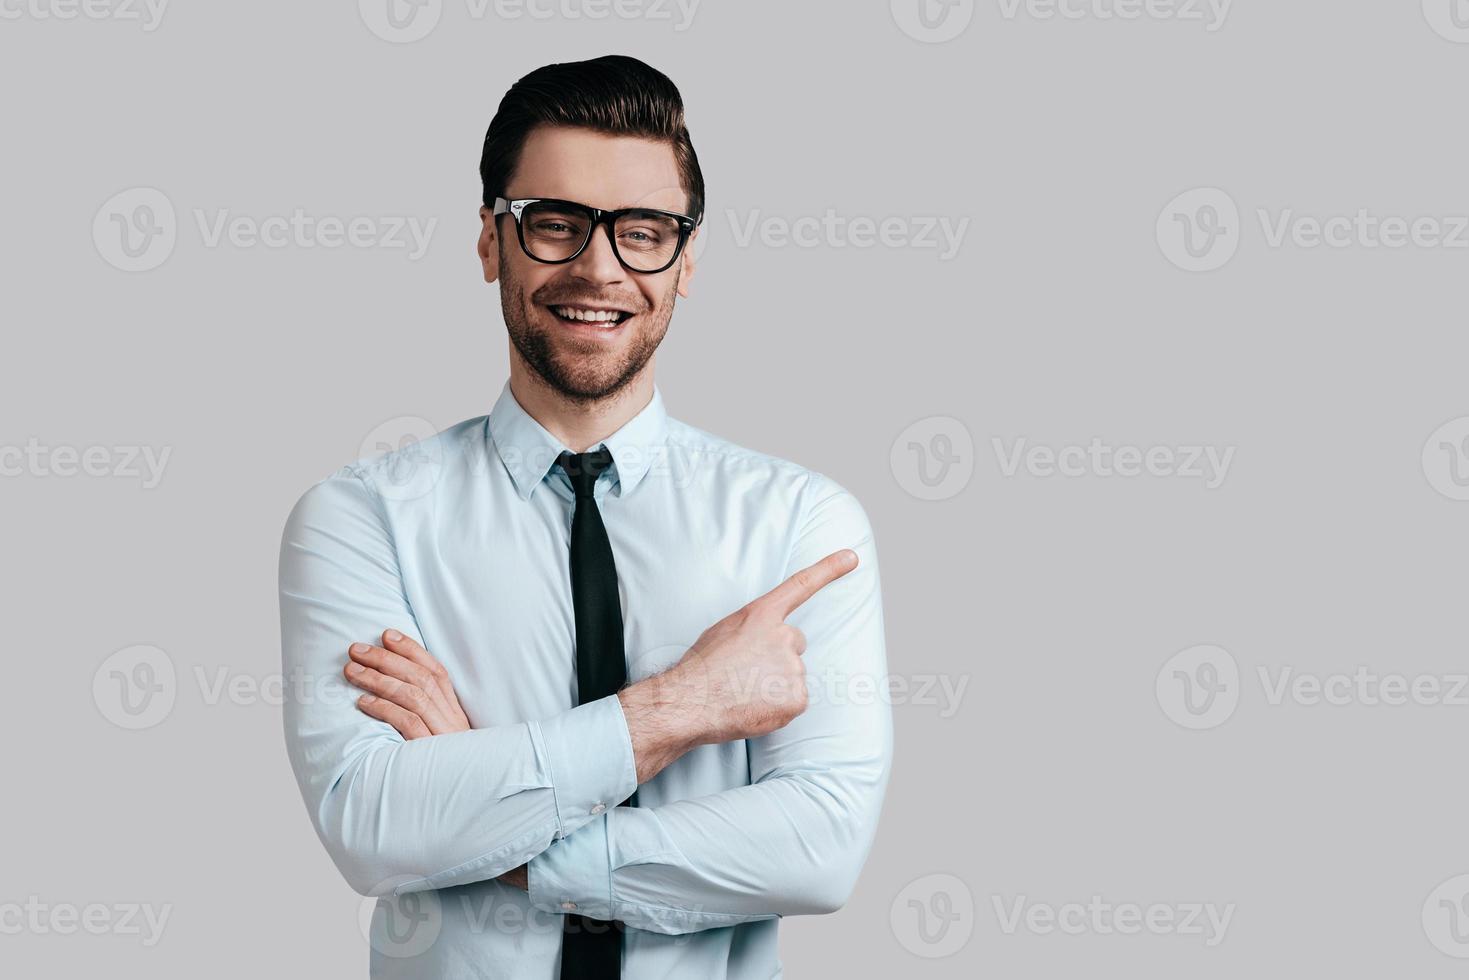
591,949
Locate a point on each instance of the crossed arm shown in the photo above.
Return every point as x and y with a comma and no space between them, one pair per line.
407,809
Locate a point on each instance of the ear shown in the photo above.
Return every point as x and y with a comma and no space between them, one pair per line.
687,263
489,246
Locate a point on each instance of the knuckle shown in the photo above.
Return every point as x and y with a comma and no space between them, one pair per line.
799,699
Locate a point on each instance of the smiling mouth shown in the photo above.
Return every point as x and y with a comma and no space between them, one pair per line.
592,316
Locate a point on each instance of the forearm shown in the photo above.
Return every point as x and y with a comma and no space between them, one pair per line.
793,844
664,721
661,728
794,840
402,815
450,810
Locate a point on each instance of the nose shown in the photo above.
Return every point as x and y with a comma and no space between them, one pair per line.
597,264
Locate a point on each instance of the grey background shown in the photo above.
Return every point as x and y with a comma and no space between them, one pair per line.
1056,600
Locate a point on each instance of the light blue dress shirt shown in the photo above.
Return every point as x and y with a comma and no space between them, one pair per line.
462,540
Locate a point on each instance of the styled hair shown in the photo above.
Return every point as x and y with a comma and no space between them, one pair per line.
613,94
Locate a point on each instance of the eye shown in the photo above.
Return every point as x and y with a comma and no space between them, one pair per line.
552,223
554,228
647,231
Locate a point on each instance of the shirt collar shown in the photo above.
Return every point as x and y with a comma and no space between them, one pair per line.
529,451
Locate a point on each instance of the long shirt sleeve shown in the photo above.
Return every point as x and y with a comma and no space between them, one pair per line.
398,816
794,840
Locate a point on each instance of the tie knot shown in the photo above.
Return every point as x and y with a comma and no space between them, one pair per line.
584,468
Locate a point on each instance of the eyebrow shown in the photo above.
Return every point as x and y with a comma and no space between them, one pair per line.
620,207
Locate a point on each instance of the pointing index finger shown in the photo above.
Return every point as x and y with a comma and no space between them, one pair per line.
787,597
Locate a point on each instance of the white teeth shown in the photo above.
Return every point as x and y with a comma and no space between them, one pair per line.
589,316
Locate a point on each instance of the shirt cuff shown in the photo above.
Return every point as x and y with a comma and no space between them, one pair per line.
588,753
574,875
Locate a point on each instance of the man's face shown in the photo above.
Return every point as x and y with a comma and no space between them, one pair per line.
584,360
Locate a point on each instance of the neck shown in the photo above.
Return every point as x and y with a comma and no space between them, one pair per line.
579,425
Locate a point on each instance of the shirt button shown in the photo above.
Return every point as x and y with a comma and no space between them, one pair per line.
568,906
599,808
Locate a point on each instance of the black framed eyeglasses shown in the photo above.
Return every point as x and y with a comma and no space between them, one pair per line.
553,231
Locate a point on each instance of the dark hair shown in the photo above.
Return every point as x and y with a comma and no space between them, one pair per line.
613,94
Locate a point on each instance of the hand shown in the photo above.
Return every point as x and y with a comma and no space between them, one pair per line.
411,691
407,687
744,675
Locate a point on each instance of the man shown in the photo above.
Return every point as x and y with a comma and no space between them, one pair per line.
618,677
